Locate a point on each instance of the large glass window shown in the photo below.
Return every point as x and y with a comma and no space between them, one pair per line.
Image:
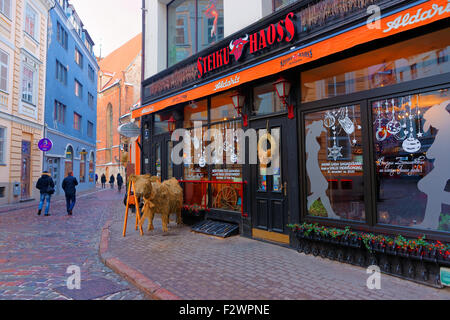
226,168
30,21
4,70
192,26
222,108
195,111
401,62
266,100
412,136
279,4
28,84
334,163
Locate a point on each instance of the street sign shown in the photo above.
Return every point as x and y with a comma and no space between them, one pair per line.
130,130
445,277
45,145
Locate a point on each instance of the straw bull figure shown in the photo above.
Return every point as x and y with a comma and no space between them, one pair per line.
159,198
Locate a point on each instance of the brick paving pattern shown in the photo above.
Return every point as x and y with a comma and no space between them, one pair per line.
35,252
198,267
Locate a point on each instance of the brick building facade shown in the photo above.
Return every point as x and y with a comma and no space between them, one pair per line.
119,91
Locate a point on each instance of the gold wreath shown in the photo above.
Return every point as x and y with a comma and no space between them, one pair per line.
265,156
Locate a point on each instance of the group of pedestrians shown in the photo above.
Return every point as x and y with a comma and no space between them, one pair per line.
112,181
46,186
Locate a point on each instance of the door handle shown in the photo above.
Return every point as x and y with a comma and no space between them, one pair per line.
285,189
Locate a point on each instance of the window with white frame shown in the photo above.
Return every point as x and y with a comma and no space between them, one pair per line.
31,21
5,7
4,70
2,144
28,84
78,89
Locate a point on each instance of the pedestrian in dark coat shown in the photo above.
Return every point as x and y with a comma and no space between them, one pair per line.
119,182
46,186
96,178
69,186
103,180
112,180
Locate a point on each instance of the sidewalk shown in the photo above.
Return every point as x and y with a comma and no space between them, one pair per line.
188,266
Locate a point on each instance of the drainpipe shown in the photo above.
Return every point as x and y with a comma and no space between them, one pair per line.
49,25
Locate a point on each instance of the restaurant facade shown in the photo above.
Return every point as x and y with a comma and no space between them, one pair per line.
346,105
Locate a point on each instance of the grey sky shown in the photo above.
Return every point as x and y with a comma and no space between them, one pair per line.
110,23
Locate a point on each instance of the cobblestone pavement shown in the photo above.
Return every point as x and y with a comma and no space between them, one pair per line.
198,267
35,252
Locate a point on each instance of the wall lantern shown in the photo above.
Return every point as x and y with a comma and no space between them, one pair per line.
238,103
283,88
172,123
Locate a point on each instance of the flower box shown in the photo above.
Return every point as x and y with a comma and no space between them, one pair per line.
192,215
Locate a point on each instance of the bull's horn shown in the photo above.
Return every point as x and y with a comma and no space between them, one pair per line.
231,45
246,37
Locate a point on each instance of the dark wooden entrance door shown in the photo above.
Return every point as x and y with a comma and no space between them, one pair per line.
162,157
269,179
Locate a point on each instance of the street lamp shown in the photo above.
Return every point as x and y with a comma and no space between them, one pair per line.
238,103
283,88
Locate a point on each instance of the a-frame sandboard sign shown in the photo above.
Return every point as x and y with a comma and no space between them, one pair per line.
132,200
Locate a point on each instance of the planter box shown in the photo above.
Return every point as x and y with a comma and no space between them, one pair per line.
417,266
191,218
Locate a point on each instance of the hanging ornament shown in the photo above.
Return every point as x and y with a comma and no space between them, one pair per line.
411,145
393,127
336,150
381,134
329,120
346,123
419,118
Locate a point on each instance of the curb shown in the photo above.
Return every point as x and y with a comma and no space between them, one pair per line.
151,289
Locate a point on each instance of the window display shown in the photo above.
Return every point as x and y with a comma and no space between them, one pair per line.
412,135
397,63
335,163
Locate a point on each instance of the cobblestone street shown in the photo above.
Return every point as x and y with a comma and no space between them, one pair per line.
35,252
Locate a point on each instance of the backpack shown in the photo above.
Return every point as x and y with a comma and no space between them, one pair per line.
50,190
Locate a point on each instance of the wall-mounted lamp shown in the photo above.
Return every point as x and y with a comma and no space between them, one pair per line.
238,103
283,88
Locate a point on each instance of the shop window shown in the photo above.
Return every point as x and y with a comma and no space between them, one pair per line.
266,100
411,136
193,25
401,62
195,168
334,163
161,124
91,168
83,167
195,111
222,108
226,168
68,165
269,161
279,4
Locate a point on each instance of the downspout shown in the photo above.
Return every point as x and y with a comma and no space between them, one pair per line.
144,27
49,25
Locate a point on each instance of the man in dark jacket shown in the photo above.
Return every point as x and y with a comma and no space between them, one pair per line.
119,182
69,186
112,180
47,187
103,180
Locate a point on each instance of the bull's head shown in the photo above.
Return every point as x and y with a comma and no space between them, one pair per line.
237,47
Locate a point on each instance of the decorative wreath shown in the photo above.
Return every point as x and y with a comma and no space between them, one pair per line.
266,155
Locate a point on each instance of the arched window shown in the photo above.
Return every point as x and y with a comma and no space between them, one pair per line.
83,166
109,132
69,161
91,168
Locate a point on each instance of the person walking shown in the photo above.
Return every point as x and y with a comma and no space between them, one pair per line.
119,182
103,181
96,179
46,186
112,180
69,186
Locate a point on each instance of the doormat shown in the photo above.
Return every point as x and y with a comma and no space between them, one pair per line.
216,228
92,289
